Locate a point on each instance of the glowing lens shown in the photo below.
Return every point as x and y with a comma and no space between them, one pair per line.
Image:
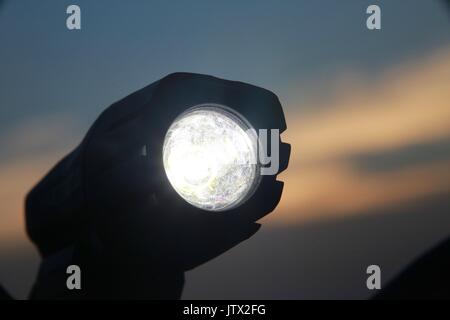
209,156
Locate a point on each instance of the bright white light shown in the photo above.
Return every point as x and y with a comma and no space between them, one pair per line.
209,156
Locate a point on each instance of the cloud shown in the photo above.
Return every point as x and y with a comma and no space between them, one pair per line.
29,150
400,111
403,108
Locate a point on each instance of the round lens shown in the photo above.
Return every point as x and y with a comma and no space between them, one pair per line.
210,157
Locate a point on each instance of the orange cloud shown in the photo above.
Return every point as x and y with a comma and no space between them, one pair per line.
34,147
405,106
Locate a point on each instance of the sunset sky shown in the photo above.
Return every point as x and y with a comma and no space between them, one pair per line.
367,111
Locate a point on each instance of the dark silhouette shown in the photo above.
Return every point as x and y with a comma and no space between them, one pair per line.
108,207
426,278
4,295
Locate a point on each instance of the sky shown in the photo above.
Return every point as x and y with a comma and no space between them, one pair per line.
367,115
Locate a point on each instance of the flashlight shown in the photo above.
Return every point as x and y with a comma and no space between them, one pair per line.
166,179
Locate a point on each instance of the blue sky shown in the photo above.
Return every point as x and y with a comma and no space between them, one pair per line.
290,47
